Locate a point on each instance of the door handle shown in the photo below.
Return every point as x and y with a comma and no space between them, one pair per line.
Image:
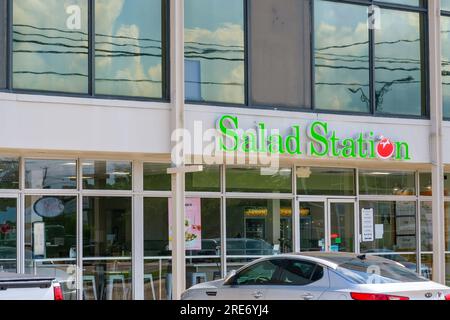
308,296
257,294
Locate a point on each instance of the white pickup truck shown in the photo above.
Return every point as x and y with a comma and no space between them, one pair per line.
14,286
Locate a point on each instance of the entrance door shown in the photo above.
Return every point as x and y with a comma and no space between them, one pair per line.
8,233
328,224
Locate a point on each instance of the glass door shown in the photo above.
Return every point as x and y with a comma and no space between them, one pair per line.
312,225
342,235
327,225
8,233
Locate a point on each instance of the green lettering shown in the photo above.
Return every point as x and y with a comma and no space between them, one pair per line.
294,140
334,145
319,138
349,150
402,151
231,133
276,143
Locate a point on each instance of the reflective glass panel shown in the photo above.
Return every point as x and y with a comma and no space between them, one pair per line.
156,177
312,226
426,226
393,226
129,48
341,57
445,49
259,180
3,46
387,183
214,51
9,173
399,64
110,175
50,174
51,239
258,227
207,180
50,45
107,238
8,234
325,181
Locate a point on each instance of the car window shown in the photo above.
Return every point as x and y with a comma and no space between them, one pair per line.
363,271
258,274
300,273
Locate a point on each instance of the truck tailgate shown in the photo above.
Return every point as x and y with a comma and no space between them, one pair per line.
25,287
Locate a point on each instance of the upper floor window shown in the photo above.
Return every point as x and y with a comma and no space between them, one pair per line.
129,48
375,69
50,45
214,51
445,49
120,51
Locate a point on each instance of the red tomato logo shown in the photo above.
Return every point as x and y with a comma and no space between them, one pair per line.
385,148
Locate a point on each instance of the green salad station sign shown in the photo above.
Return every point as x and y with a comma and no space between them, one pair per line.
317,139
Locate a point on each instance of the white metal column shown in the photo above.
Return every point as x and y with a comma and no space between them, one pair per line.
178,178
436,114
138,231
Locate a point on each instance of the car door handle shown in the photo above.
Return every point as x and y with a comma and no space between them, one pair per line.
308,296
257,294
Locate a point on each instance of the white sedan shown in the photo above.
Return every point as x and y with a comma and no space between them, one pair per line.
320,276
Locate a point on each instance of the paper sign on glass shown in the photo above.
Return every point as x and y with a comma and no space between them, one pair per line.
379,231
367,224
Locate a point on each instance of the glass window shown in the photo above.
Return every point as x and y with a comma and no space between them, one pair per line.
50,45
3,53
129,48
427,266
258,274
259,179
8,235
389,272
280,55
426,184
341,57
399,69
51,239
107,175
156,177
395,223
107,236
300,273
9,173
445,5
156,227
50,174
206,181
325,181
214,51
426,226
258,227
445,43
387,183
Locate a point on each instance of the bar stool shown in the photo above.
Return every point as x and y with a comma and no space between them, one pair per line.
198,277
169,286
91,279
110,285
149,277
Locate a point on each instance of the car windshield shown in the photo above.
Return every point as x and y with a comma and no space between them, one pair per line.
376,271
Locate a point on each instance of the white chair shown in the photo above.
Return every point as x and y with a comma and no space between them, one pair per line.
149,277
91,280
110,285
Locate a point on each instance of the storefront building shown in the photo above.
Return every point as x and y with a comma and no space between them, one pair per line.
353,97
